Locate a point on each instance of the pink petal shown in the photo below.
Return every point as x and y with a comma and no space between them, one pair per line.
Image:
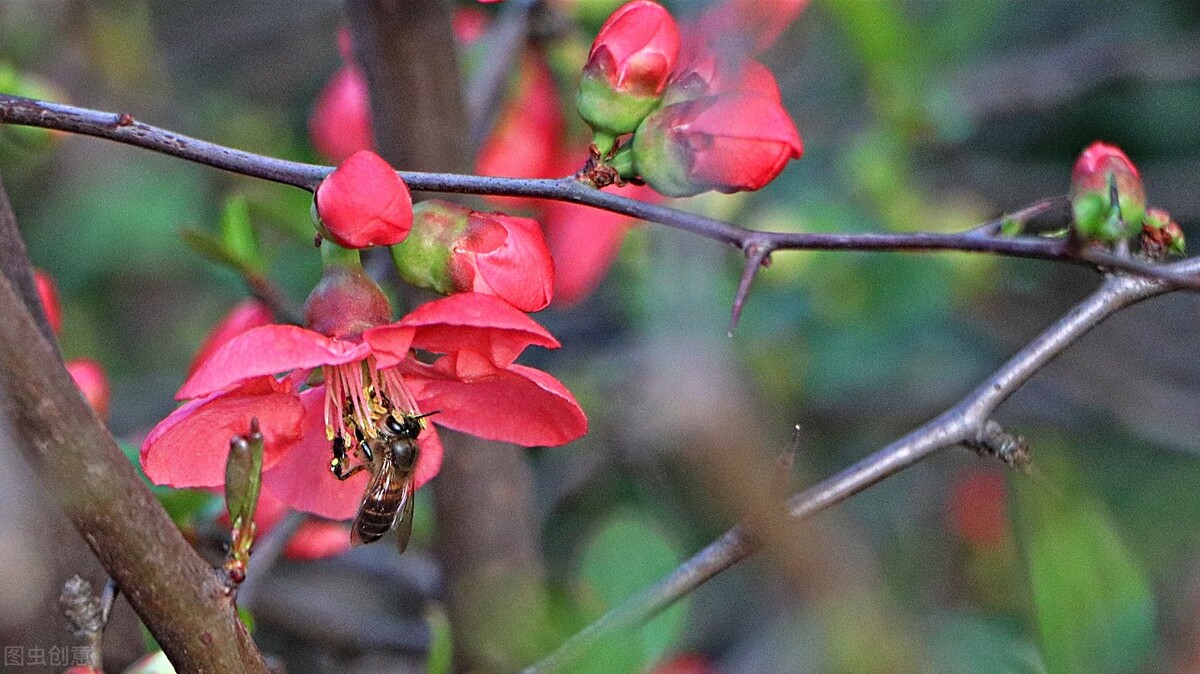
303,479
316,539
189,447
429,460
268,350
519,404
246,315
389,343
476,322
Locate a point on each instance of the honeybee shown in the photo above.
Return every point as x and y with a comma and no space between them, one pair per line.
391,457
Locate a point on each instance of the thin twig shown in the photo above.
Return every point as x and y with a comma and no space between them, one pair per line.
124,128
967,422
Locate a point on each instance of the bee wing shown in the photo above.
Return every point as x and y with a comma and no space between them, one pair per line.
367,525
404,519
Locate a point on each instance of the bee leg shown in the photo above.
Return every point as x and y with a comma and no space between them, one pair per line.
342,469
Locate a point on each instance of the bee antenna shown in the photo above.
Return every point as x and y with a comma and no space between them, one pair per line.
427,414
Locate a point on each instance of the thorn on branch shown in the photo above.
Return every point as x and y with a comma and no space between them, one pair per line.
1012,449
757,256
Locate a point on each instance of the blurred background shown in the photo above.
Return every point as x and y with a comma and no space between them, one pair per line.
929,115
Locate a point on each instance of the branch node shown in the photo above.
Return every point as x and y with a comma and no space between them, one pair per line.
87,615
758,255
993,440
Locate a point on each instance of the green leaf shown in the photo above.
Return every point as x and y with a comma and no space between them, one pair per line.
238,236
441,649
1093,606
627,554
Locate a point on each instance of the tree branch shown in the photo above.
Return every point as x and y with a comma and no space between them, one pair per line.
175,592
967,422
124,129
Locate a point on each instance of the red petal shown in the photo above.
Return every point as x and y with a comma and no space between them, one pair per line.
341,118
429,460
476,322
303,479
48,294
390,343
518,269
267,350
519,404
316,539
245,316
91,382
189,447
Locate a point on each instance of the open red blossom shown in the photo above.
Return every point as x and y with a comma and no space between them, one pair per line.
728,143
364,203
247,314
475,387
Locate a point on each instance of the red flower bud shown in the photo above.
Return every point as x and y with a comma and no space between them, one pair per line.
454,249
505,256
729,143
48,294
345,302
628,67
91,382
1099,170
340,124
364,203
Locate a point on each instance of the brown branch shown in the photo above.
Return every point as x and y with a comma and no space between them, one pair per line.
966,423
124,129
176,593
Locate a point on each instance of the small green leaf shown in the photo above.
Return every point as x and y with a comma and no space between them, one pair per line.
1094,609
210,247
627,554
238,235
441,649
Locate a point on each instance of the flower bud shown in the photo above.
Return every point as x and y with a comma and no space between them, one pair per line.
627,68
729,143
48,294
345,302
364,203
454,249
1099,171
1161,236
91,382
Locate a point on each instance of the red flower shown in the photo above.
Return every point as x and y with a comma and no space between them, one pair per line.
340,124
248,314
525,141
729,143
584,242
628,66
505,256
48,294
454,249
476,387
364,203
977,508
92,383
